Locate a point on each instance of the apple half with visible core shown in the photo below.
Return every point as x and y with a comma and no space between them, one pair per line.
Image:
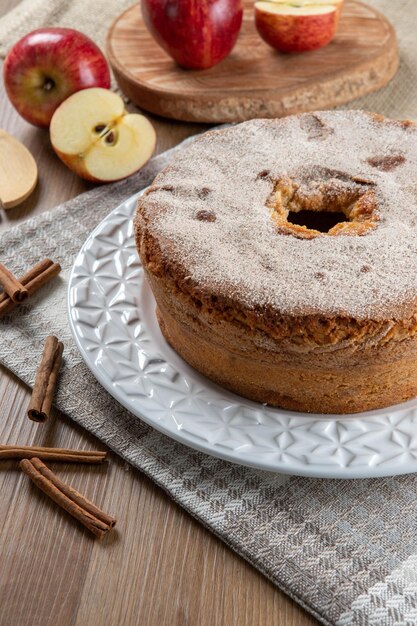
48,65
197,34
290,28
97,139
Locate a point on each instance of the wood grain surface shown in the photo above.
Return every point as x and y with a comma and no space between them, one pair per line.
255,80
160,567
18,171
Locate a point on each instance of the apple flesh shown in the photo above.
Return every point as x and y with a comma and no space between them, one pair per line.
305,3
48,65
97,139
290,28
197,34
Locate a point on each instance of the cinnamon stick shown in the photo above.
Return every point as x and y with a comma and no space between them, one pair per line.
14,289
93,518
45,381
52,454
34,279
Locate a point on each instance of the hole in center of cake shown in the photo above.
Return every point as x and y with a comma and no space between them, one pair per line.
321,221
322,202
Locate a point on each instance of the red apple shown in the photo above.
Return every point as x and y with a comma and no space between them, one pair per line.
48,65
97,139
290,28
196,33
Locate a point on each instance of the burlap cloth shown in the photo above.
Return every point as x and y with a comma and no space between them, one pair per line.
345,550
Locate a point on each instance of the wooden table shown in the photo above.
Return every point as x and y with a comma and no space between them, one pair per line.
161,568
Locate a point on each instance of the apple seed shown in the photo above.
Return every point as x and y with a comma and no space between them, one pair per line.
110,138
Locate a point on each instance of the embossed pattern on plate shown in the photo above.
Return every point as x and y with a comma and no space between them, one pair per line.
112,317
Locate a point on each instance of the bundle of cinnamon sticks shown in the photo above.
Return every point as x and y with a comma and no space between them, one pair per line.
31,457
46,380
92,457
16,291
93,518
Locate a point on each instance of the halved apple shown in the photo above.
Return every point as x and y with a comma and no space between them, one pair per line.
290,28
97,139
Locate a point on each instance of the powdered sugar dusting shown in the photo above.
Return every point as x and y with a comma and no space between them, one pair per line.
240,253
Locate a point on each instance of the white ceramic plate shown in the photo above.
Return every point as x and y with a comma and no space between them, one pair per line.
111,312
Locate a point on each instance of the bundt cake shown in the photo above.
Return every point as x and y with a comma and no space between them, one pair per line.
282,255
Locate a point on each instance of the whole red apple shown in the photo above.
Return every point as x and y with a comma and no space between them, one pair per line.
196,33
48,65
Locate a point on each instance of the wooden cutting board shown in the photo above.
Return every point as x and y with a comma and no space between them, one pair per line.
255,80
